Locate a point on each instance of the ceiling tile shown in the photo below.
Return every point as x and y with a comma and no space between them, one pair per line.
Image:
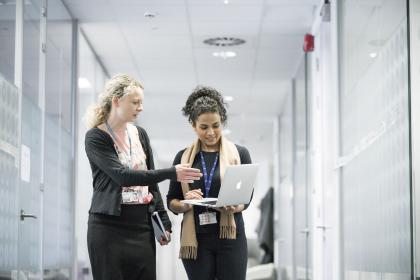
225,13
163,13
221,3
300,13
154,28
91,11
285,27
225,28
281,42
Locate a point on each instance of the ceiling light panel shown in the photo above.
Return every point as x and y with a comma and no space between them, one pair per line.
242,62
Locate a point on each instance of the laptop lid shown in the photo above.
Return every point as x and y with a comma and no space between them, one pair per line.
237,185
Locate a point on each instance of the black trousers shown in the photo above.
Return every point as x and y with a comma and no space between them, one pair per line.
221,259
121,249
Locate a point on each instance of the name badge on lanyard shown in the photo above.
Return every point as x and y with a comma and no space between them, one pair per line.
207,218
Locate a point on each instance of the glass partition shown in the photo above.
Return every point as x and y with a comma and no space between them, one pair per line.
374,139
59,155
7,39
301,188
29,191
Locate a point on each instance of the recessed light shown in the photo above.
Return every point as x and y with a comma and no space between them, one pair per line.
84,83
373,54
228,98
224,54
226,2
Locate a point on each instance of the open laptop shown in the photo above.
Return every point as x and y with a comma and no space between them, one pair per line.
236,188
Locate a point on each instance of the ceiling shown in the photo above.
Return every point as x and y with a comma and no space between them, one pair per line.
168,55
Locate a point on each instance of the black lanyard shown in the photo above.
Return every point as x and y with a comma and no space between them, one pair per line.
208,178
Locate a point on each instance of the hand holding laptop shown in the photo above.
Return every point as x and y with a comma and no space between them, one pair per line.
231,209
194,194
236,189
197,194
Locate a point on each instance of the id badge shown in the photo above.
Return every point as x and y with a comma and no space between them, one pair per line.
135,195
207,218
129,197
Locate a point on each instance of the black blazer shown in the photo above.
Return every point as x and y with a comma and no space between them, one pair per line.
109,175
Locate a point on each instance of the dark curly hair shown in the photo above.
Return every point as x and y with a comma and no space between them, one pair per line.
202,100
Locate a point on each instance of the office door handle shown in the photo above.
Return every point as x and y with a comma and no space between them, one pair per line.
323,227
23,215
305,231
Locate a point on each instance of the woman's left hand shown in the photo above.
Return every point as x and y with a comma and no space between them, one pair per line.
231,209
148,198
164,242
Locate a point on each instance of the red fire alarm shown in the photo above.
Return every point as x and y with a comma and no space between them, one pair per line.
308,43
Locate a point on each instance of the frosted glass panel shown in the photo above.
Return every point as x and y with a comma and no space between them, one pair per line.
284,209
375,138
300,171
59,193
8,176
301,190
29,240
7,39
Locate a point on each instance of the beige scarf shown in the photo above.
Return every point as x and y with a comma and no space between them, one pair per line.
229,155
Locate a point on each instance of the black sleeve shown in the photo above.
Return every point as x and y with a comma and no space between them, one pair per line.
102,154
157,196
175,188
245,159
244,155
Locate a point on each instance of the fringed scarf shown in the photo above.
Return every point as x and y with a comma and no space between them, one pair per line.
229,155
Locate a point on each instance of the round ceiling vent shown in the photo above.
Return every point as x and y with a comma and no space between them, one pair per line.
224,41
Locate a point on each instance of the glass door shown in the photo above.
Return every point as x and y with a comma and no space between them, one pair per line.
30,235
301,192
414,59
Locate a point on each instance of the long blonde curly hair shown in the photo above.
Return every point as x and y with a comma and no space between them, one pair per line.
118,86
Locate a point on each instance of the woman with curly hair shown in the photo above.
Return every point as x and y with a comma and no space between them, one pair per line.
213,242
125,192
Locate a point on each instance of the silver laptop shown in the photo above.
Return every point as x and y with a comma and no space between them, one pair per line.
236,188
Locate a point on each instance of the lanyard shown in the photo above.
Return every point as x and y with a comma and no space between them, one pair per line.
208,178
114,137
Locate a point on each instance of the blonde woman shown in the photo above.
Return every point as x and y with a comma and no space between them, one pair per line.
125,192
213,242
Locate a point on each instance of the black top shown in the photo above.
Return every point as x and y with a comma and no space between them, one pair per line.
175,189
110,175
